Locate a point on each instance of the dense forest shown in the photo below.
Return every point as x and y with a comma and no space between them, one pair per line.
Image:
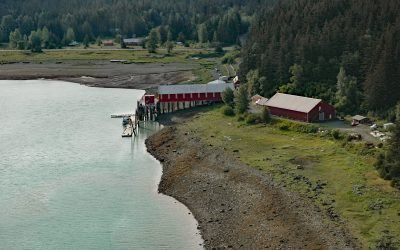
346,52
57,23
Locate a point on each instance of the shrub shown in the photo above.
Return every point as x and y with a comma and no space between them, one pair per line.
253,119
295,126
228,97
395,182
241,117
265,115
283,127
219,49
336,134
228,59
241,100
228,111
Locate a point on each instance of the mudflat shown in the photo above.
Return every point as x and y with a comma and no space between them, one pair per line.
237,206
101,73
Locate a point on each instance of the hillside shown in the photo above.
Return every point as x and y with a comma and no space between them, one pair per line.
63,21
301,46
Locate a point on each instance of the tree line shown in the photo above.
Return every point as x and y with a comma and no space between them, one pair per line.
60,22
344,51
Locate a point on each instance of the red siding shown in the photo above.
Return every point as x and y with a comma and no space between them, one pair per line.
190,97
313,115
328,110
291,114
149,99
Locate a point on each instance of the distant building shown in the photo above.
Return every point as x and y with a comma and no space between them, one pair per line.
255,98
134,41
73,44
262,101
388,125
108,43
359,119
300,108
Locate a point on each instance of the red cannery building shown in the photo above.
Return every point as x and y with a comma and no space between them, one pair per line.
188,95
300,108
192,92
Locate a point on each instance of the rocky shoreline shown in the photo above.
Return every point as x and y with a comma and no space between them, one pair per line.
237,206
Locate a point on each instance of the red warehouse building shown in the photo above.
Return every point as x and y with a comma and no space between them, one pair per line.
192,92
300,108
173,97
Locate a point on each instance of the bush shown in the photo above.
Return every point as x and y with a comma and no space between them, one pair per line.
253,119
228,59
336,134
265,115
228,97
241,117
219,49
395,182
228,111
283,127
295,126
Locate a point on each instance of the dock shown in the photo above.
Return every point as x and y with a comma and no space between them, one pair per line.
122,115
146,110
131,128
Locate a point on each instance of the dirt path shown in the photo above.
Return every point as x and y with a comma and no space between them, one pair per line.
101,73
237,206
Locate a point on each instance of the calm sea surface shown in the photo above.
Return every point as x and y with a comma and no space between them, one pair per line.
69,181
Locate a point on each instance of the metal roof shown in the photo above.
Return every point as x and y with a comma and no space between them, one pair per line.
194,88
216,82
133,40
359,117
262,101
293,102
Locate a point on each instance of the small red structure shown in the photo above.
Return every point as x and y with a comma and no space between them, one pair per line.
149,99
300,108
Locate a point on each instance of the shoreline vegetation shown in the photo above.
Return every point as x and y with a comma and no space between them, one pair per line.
255,186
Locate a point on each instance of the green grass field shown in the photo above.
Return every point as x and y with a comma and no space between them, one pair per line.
369,205
138,56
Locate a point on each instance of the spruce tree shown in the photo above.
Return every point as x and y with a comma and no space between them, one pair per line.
228,97
242,100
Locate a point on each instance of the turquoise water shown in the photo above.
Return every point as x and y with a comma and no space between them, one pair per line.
69,181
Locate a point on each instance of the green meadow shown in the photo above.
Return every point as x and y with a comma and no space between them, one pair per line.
338,176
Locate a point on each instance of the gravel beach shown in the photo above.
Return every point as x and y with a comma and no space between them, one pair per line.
237,206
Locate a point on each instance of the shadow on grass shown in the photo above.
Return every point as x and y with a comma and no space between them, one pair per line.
185,114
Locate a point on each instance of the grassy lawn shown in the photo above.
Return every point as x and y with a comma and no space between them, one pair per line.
350,185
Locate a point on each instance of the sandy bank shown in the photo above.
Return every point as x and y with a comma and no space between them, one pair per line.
99,73
237,206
